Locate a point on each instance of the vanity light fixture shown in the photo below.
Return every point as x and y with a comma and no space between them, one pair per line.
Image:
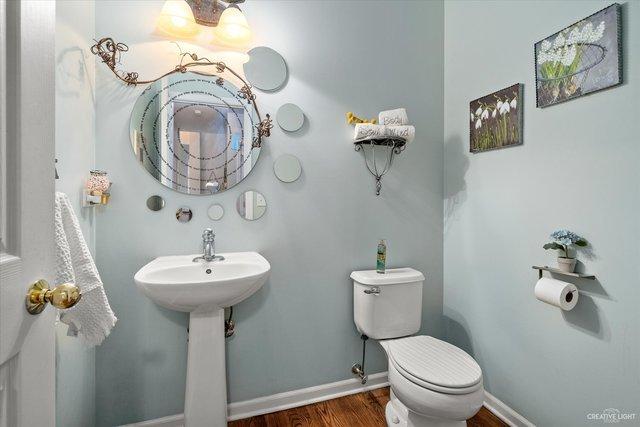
177,20
187,18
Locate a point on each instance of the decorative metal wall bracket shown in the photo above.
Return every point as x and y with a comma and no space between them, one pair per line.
110,53
378,169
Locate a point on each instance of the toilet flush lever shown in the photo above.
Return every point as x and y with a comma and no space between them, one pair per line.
372,291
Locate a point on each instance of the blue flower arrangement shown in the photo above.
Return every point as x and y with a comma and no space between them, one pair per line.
562,239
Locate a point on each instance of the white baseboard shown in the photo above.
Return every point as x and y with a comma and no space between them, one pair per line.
282,401
504,412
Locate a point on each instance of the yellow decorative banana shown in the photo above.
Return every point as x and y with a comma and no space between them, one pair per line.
353,119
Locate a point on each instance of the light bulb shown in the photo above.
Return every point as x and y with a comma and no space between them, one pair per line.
176,19
232,28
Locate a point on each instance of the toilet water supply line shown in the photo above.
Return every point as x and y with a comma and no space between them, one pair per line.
358,369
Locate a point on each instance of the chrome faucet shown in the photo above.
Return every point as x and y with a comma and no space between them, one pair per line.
209,247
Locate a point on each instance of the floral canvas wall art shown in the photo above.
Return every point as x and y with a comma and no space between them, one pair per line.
496,120
583,58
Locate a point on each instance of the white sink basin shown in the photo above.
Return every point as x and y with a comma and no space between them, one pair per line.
204,289
178,283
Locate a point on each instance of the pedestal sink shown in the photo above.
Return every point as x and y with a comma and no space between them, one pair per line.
204,289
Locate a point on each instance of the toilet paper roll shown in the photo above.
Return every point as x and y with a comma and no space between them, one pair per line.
556,292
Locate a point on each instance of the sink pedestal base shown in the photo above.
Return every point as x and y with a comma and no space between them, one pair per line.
206,396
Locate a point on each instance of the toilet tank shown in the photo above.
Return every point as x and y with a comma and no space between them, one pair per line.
387,305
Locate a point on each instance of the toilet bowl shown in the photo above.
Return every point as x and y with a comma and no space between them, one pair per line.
433,383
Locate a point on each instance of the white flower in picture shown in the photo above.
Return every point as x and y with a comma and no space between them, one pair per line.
485,114
514,103
569,55
478,124
546,45
559,41
495,112
499,104
472,117
598,32
479,111
504,108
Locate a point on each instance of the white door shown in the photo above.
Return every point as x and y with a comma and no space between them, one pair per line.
27,346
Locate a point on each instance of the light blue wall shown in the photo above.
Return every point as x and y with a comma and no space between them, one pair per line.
578,168
298,330
75,142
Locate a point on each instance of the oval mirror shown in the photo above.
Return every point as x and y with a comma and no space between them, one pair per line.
290,117
196,134
184,214
265,69
215,212
251,205
155,203
287,168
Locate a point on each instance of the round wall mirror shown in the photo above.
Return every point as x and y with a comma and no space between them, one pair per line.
195,134
184,214
155,203
290,117
215,212
251,205
265,69
287,168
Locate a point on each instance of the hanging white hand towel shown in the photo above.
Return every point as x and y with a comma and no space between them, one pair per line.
92,316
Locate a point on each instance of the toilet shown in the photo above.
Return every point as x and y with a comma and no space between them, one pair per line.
433,383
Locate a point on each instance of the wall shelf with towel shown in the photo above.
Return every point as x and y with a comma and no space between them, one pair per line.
558,271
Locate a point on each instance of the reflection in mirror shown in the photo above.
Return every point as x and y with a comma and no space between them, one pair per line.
215,212
184,214
290,117
155,203
195,134
251,205
287,168
265,69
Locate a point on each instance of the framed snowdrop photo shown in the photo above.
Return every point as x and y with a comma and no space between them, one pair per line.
583,58
496,120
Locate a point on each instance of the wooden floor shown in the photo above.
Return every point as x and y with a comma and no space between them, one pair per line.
358,410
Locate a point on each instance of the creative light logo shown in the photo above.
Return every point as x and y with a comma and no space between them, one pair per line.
611,416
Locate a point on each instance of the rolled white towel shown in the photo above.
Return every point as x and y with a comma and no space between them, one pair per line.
407,132
368,131
393,117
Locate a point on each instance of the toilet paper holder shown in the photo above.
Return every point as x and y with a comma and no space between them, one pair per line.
558,271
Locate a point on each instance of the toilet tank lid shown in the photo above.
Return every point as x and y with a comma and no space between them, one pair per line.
392,276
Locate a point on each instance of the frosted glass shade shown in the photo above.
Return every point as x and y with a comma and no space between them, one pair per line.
232,29
176,19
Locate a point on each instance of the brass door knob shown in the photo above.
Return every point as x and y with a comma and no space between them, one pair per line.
62,296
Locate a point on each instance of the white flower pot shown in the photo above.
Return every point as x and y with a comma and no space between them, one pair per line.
567,264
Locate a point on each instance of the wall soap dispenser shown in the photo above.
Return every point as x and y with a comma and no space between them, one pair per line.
382,257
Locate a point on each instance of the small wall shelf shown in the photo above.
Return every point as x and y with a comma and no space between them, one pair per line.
394,146
558,271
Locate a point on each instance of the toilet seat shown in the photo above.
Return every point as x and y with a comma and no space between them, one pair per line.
434,364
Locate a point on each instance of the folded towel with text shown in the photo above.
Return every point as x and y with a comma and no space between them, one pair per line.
407,132
91,318
365,131
393,117
368,131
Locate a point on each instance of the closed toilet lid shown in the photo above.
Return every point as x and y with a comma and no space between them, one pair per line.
434,362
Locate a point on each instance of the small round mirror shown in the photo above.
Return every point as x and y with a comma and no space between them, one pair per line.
215,212
184,214
287,168
265,69
290,117
155,203
251,205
